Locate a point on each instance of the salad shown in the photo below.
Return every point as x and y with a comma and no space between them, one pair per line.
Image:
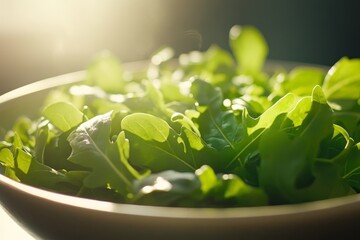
205,129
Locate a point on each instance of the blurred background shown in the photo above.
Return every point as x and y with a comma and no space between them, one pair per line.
40,39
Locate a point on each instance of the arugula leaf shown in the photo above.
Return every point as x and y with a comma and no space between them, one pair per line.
244,159
265,120
212,129
220,129
289,175
92,148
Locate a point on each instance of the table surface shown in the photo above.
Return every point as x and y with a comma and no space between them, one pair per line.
10,230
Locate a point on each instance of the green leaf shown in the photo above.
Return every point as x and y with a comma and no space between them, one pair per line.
194,141
289,174
42,134
22,166
174,153
302,80
207,178
92,149
350,120
57,151
351,170
23,128
219,128
156,97
169,188
318,95
7,158
289,171
343,80
32,172
248,147
228,190
23,161
124,152
63,115
249,47
186,122
146,126
233,191
336,146
202,189
215,66
157,146
265,120
299,113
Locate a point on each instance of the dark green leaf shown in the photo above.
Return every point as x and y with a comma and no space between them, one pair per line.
219,128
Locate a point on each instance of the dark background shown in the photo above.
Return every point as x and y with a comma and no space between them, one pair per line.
41,39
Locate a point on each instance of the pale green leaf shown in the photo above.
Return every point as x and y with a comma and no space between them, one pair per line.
249,47
146,126
63,115
343,80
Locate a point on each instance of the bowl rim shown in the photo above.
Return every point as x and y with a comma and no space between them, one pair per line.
178,212
155,211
